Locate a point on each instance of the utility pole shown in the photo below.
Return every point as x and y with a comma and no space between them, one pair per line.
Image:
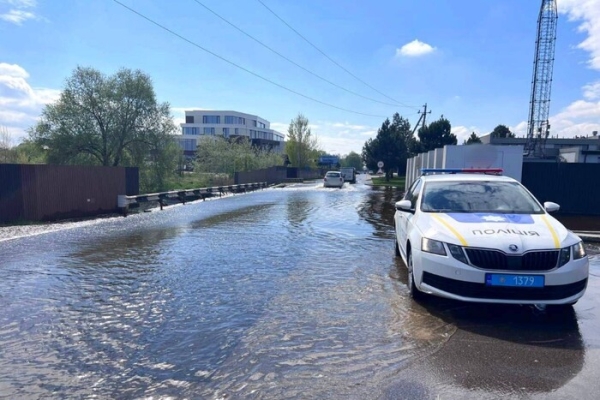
425,114
422,118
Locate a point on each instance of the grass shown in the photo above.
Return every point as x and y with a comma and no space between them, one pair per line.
396,181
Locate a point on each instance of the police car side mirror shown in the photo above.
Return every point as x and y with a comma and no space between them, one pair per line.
403,205
551,207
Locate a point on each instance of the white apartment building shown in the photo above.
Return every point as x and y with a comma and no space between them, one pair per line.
228,124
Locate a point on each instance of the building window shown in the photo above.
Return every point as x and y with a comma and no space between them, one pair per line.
237,131
209,131
189,119
232,120
226,132
262,125
191,131
211,119
253,122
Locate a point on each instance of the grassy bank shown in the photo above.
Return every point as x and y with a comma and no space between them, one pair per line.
397,181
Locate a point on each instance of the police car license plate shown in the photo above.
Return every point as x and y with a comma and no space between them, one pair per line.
514,280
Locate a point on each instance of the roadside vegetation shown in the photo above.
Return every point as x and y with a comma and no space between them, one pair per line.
113,121
396,181
302,147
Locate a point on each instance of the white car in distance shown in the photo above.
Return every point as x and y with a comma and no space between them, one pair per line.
333,179
475,235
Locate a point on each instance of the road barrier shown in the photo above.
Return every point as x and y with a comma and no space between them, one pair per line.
183,196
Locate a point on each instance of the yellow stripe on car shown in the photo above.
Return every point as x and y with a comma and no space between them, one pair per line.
552,231
451,229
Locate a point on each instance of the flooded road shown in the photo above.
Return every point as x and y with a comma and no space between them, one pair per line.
281,293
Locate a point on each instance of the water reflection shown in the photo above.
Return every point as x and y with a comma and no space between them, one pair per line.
504,349
378,209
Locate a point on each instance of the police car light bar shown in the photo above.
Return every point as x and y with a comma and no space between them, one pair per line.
495,171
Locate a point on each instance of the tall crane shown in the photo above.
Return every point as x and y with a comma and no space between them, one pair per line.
538,127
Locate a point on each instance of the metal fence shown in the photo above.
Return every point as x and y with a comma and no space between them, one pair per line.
52,192
279,174
575,186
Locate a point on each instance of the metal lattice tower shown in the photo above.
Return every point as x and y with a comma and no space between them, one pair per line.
538,127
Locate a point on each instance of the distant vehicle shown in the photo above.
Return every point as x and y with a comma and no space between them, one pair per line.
349,174
333,179
474,235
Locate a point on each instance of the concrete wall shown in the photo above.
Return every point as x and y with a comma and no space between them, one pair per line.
509,158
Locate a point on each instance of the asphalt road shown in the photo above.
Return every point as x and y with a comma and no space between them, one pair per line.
291,292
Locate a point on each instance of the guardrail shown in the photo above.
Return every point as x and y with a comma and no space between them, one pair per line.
124,201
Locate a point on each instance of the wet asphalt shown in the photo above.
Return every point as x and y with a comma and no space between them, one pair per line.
291,292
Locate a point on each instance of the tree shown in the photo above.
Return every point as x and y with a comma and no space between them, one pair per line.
473,139
28,152
436,135
301,147
502,131
110,121
219,155
389,146
7,153
352,160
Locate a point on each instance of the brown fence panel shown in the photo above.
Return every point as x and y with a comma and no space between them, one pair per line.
11,196
270,175
53,192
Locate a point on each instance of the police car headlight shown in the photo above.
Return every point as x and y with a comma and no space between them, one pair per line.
565,256
578,251
457,252
433,246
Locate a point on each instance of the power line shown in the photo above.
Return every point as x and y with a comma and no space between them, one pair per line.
293,62
239,66
331,59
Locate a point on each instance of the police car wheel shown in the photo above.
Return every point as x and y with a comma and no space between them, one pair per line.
415,293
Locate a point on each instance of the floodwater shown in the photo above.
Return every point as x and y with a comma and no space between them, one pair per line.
282,293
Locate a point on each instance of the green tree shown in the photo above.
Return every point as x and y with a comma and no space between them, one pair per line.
28,152
111,121
301,147
7,152
473,139
389,146
352,160
436,135
219,155
502,131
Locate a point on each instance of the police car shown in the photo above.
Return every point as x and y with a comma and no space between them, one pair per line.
475,235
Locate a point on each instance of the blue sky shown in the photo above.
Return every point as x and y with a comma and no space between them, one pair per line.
468,60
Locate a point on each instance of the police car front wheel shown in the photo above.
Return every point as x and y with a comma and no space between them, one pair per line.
415,293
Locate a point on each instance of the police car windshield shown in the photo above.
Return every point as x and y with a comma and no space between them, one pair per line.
474,197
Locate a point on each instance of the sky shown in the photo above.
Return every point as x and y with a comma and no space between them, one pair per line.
353,63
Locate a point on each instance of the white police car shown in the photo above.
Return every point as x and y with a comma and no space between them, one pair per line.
475,235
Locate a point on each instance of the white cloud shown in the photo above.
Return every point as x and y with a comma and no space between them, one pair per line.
21,104
592,91
415,48
463,132
336,137
17,16
587,12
